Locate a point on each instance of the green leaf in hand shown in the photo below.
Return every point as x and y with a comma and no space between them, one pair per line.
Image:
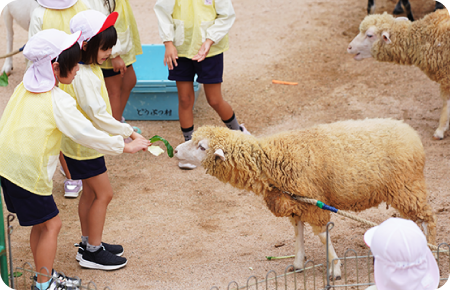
3,80
168,146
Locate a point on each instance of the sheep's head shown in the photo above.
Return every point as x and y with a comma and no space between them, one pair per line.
229,155
372,29
206,140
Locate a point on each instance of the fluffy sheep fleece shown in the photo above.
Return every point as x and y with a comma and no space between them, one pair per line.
423,43
351,165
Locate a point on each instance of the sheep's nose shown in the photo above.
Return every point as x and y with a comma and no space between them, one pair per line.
176,151
349,47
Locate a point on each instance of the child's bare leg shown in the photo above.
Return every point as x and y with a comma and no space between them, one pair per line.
128,82
186,99
213,94
84,207
102,189
64,165
119,89
114,88
43,243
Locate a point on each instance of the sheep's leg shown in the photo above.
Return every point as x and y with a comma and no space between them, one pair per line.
7,17
408,9
335,266
398,8
444,119
370,7
412,204
299,262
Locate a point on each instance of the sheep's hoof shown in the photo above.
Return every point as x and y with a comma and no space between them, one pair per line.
297,270
335,279
437,137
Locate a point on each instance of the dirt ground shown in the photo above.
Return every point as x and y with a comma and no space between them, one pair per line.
187,230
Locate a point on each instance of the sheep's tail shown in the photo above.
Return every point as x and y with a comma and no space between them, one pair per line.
324,206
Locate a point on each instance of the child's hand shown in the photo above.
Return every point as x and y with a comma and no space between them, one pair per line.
171,55
136,145
119,65
136,135
203,51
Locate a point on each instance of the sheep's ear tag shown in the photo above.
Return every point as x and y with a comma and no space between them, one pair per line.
219,153
386,38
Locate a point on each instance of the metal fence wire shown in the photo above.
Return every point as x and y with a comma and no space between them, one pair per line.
357,273
23,277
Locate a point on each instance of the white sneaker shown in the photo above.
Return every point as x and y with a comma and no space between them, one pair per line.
244,130
186,165
72,188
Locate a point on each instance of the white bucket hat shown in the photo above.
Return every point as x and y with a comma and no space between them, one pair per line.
91,23
57,4
402,257
41,49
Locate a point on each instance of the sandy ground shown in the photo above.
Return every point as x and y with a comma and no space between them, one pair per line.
186,229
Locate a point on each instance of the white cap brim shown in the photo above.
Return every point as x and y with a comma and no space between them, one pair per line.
368,235
57,4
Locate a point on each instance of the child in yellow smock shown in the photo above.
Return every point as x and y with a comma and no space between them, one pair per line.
118,71
88,88
195,34
57,14
31,128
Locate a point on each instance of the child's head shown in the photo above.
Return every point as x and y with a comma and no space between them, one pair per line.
402,257
54,54
57,4
98,34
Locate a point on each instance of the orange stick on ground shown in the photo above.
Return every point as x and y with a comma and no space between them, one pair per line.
284,83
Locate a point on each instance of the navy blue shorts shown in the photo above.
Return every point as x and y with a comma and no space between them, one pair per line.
209,70
84,169
110,72
31,209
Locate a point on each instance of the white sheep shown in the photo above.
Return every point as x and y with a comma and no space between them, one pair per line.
424,43
350,165
20,11
399,8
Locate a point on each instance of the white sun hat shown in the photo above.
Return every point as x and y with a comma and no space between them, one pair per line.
91,23
402,257
57,4
41,49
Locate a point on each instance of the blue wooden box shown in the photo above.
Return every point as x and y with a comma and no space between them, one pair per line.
154,97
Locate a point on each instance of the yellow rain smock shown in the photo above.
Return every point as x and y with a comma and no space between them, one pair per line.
44,18
89,91
31,128
188,23
127,31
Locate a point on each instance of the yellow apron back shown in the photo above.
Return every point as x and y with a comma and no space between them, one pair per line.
60,19
191,20
127,33
29,141
69,147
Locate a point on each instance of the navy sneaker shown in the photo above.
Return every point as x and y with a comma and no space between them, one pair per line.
102,260
115,249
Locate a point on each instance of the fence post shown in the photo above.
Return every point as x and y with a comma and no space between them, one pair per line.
3,259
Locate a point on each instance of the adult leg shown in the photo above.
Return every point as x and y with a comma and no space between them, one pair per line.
43,243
